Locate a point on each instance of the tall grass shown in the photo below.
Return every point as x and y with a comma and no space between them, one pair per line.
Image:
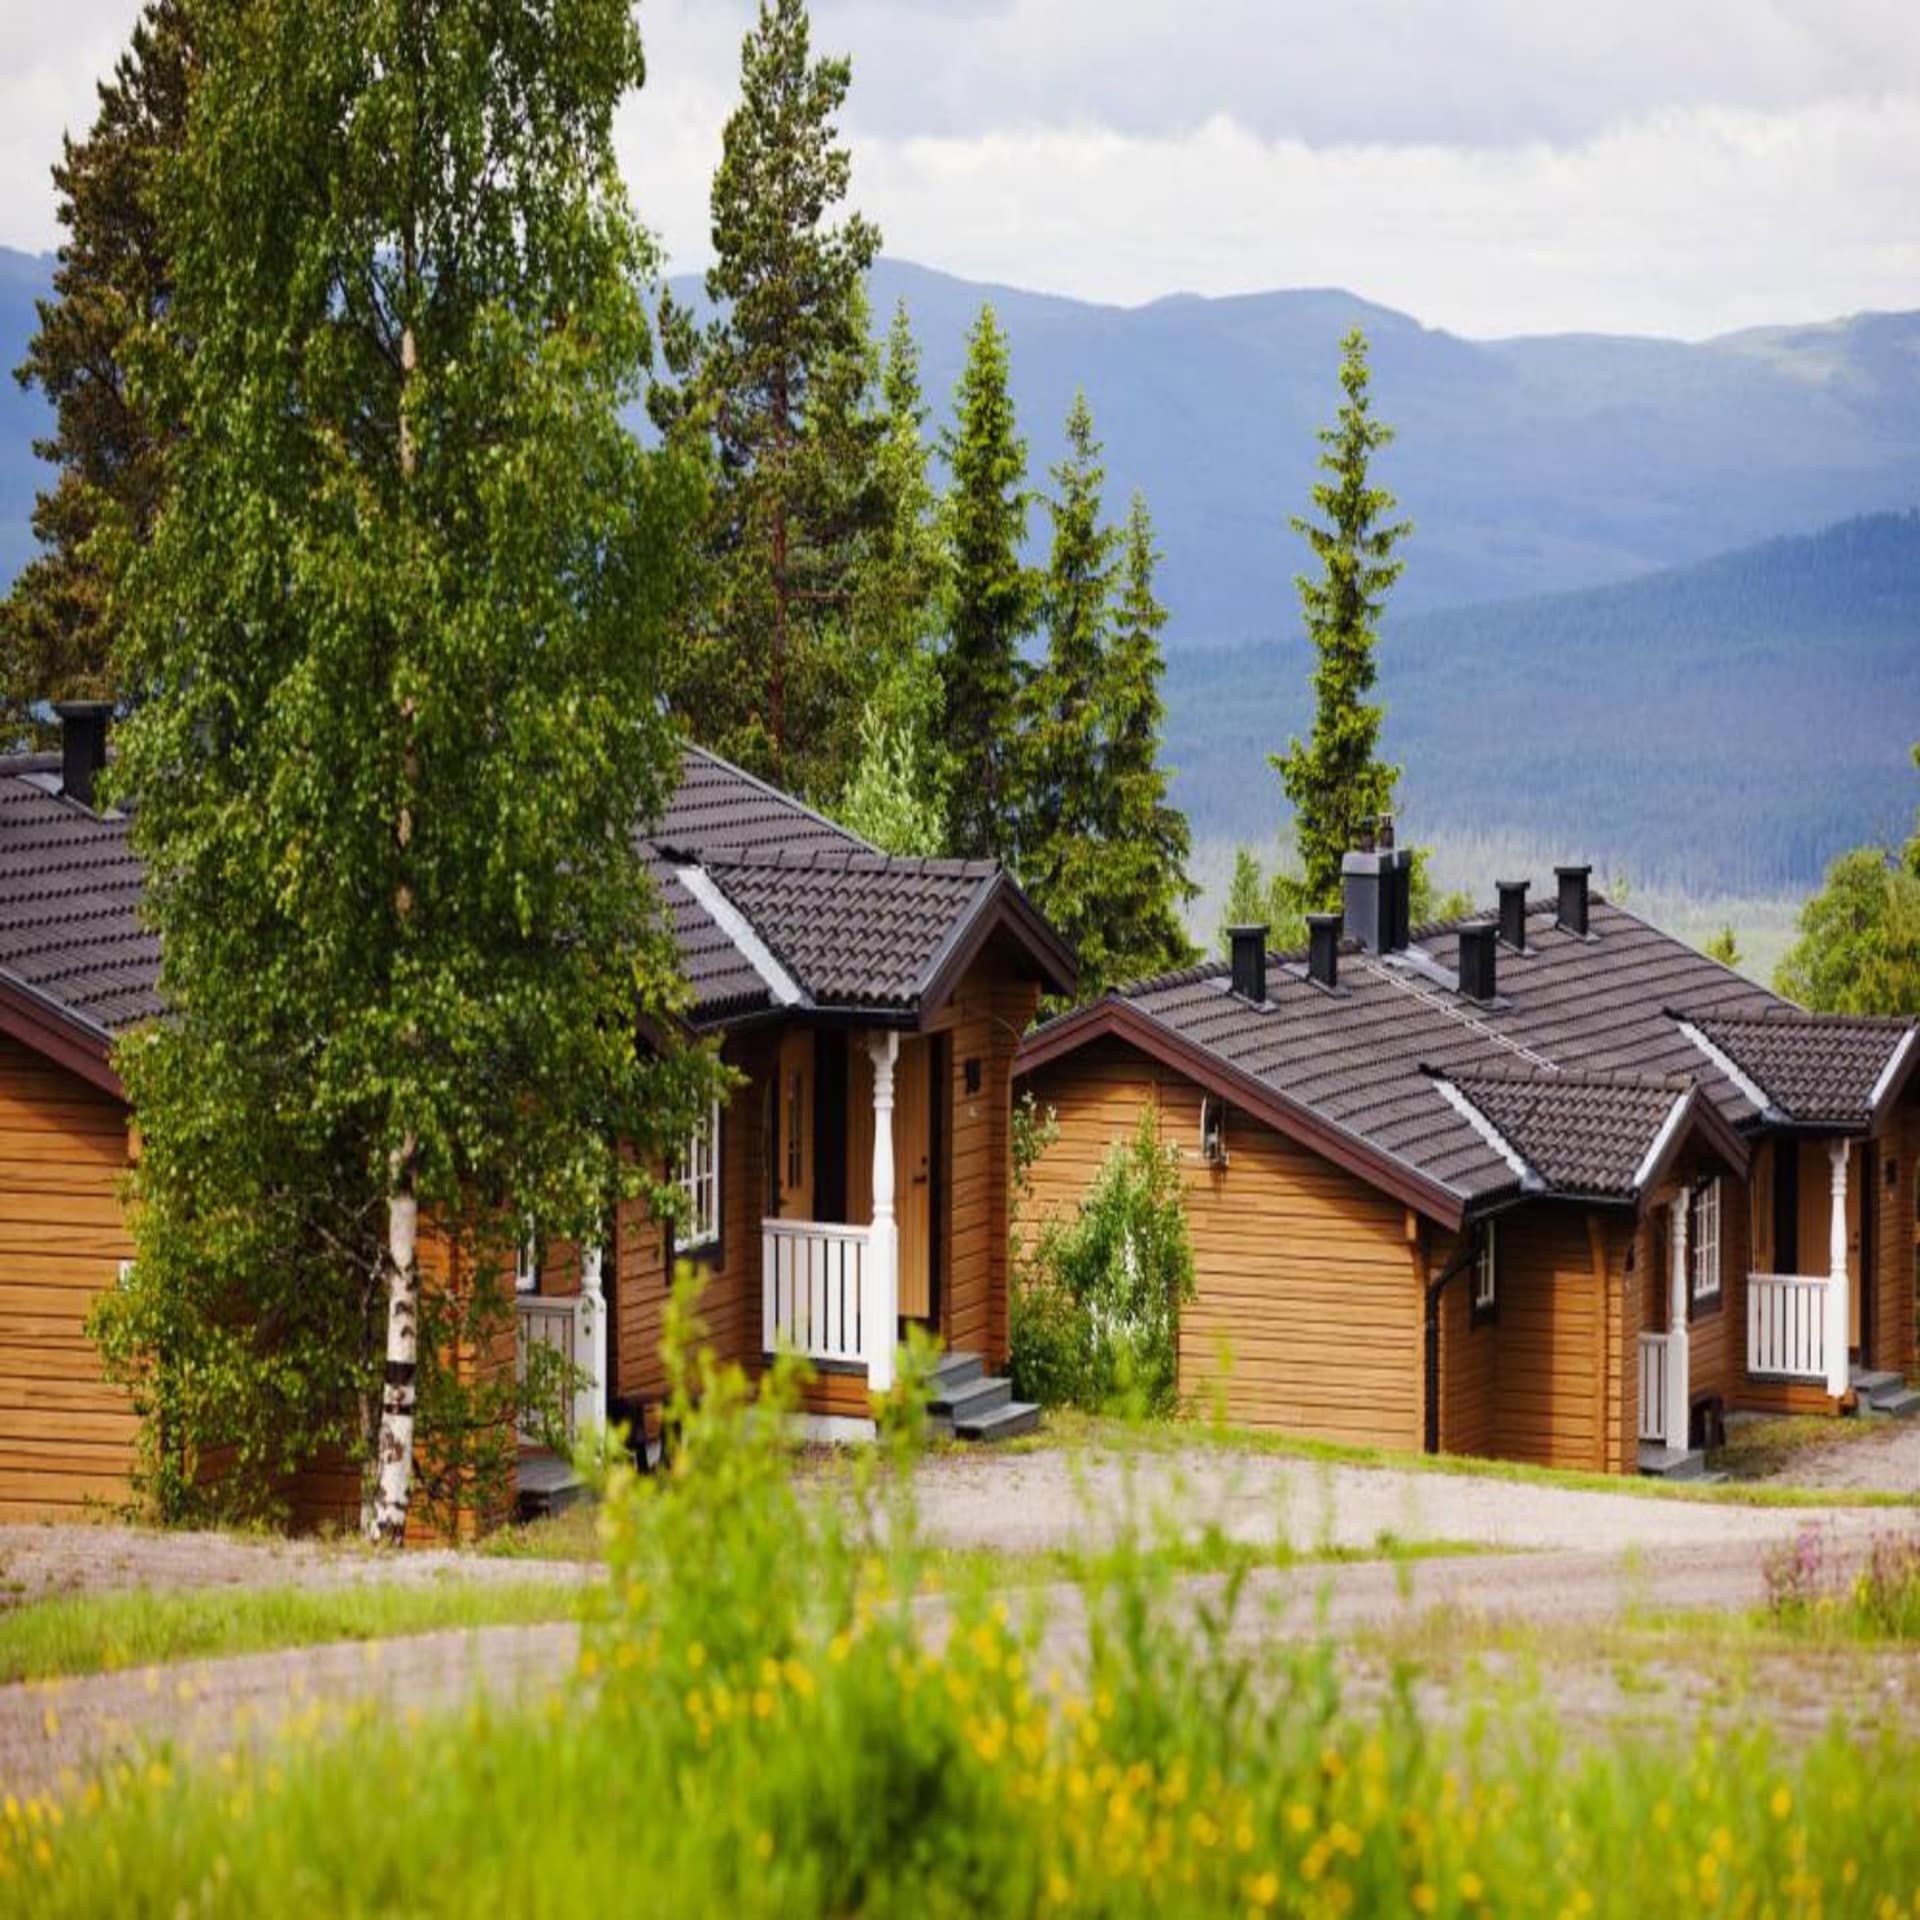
771,1718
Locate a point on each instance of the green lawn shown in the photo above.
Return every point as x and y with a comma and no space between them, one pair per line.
105,1632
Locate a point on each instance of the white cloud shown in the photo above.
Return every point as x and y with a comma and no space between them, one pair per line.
1491,165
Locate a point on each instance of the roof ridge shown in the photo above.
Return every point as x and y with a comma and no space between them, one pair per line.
1792,1016
1558,1076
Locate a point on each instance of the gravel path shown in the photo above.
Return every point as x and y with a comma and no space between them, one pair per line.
1888,1460
39,1561
1049,1499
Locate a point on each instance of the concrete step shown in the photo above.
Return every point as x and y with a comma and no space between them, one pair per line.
547,1485
956,1370
1900,1404
972,1401
1870,1382
1672,1463
1003,1423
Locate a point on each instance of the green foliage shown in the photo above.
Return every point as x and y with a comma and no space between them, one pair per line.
396,645
991,598
775,389
1254,900
1724,946
111,287
1095,1310
765,1699
1099,849
896,798
1859,945
1335,779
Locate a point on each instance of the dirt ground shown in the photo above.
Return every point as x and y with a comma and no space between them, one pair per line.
1885,1459
37,1562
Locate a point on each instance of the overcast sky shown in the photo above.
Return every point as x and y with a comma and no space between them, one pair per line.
1492,166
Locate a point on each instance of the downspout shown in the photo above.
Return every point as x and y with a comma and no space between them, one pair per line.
1467,1253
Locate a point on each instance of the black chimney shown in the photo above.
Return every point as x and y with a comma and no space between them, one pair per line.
1513,913
1377,887
83,745
1323,949
1572,917
1249,963
1477,952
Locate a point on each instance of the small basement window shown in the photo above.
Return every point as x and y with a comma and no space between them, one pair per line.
700,1183
1486,1278
1703,1239
526,1261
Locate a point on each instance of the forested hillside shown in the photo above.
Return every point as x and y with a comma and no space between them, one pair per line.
1729,725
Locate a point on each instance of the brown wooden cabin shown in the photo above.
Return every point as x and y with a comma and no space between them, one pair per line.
1546,1185
832,977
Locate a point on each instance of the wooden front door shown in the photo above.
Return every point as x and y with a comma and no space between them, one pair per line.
913,1163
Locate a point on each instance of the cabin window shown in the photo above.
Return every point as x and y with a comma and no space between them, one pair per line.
1703,1240
1213,1132
526,1260
700,1183
1486,1274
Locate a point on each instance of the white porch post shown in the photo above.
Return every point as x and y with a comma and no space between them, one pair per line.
590,1351
880,1289
1839,1372
1679,1386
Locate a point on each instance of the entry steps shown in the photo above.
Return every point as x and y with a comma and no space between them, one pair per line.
968,1404
1886,1394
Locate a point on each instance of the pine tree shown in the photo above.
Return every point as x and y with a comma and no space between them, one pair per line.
399,637
1059,810
1335,779
112,283
779,380
897,584
1147,842
1724,946
990,596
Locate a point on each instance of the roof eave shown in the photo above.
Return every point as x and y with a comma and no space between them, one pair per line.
999,903
59,1033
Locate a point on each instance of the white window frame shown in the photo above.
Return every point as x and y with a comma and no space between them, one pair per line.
1213,1131
1703,1241
526,1260
700,1184
1486,1271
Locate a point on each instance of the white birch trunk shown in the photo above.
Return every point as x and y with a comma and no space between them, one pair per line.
394,1486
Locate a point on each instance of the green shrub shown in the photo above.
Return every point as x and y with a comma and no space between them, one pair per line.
1094,1318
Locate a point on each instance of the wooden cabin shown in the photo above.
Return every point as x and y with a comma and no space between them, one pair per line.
854,1183
1544,1184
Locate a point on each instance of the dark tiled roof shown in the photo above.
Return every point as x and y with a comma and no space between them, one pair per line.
1597,1011
1586,1134
70,927
855,929
1815,1069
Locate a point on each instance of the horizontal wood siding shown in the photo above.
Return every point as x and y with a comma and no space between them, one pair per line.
66,1438
1895,1267
1466,1359
1548,1333
1308,1314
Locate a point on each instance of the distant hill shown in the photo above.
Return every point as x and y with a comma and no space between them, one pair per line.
1727,726
1730,720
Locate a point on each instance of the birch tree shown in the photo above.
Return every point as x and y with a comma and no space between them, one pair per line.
397,648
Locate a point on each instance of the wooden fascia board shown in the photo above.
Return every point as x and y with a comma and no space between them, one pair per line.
998,904
1115,1018
50,1030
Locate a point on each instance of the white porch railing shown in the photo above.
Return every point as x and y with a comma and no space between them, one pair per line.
813,1281
1787,1325
545,1322
1653,1387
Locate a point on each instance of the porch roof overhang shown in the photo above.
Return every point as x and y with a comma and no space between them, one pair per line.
1115,1017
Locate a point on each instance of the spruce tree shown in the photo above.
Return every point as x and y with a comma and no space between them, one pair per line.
398,640
990,598
111,285
1059,809
778,382
1145,884
1335,779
